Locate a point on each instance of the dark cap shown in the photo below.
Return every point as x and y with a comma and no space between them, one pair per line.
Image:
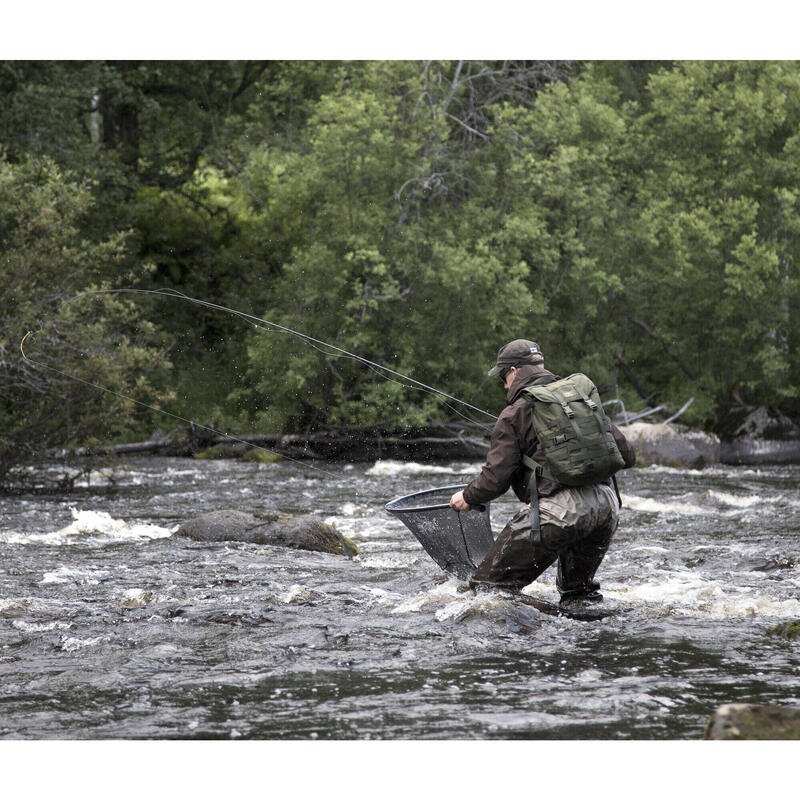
516,353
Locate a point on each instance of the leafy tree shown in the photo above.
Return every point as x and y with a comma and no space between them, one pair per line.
388,262
99,339
716,232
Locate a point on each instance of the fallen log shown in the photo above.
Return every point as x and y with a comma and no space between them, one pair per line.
352,444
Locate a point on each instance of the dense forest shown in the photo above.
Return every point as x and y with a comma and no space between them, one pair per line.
639,220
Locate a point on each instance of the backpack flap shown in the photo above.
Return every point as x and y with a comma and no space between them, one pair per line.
573,432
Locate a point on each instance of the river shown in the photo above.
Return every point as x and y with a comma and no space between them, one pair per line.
111,627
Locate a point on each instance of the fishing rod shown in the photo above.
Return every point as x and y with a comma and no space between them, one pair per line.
259,322
230,436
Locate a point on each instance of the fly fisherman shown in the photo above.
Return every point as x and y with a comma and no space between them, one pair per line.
575,523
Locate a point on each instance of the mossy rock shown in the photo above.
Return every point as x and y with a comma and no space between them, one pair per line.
219,451
300,533
788,630
754,722
259,456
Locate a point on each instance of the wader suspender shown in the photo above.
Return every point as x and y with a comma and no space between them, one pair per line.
536,470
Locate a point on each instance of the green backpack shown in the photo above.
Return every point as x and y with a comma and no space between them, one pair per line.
573,432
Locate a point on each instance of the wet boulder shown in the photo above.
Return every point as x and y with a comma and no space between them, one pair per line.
746,721
671,446
280,530
761,435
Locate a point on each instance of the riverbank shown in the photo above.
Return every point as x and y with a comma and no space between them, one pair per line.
759,436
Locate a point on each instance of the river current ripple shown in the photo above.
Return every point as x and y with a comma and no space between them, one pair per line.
113,628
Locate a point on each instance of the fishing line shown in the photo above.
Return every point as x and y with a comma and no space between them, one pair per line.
310,339
258,322
168,413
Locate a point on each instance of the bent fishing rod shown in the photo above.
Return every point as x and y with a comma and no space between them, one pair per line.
258,322
190,422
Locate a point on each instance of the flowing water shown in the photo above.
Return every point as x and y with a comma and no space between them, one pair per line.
113,628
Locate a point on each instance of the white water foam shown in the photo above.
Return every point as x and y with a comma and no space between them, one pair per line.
686,595
704,504
298,593
72,643
692,596
739,501
396,561
635,503
39,627
443,593
91,527
389,467
82,577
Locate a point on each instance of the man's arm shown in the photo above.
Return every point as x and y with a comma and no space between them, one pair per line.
503,458
625,447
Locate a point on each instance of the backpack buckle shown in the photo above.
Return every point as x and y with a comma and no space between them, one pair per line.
567,410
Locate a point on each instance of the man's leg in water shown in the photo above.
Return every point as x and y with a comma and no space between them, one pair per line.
513,560
578,564
579,561
567,517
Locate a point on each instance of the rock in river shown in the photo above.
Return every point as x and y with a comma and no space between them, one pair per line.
746,721
763,436
301,533
671,445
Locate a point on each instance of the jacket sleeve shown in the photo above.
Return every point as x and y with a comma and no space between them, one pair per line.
625,447
502,460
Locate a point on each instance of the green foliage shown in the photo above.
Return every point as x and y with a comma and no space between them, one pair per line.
638,219
98,339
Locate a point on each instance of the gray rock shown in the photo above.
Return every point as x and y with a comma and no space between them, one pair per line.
300,533
764,436
745,721
658,443
768,423
707,444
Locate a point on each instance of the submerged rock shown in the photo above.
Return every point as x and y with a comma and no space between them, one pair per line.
745,721
223,450
671,446
281,530
788,630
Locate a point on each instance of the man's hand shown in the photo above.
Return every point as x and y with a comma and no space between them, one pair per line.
458,503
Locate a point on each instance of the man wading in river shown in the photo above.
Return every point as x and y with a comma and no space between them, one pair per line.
575,522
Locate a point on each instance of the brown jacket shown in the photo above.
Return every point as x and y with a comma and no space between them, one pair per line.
512,437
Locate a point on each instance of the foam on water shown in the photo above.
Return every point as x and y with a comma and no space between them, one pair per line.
298,593
739,501
443,593
70,644
389,467
649,504
91,527
39,627
672,594
387,562
79,576
691,595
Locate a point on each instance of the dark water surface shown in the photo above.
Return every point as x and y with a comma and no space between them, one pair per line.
110,627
